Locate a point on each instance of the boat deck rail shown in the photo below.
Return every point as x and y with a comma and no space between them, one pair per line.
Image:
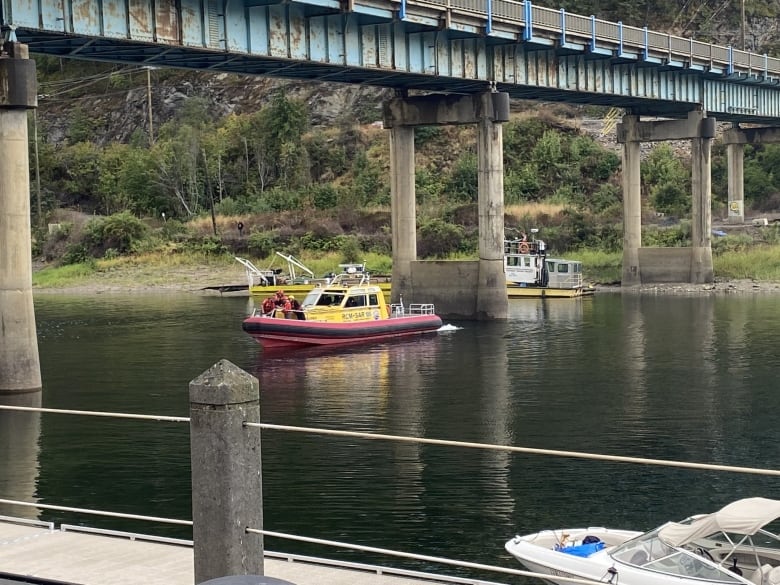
567,280
401,310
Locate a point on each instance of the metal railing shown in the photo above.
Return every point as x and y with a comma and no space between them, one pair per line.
239,427
614,37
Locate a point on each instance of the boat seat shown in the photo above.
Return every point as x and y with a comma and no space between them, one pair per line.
639,558
774,576
761,575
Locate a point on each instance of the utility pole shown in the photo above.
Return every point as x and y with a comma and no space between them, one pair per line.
742,32
149,102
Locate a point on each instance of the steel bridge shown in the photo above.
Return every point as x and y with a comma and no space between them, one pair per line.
450,46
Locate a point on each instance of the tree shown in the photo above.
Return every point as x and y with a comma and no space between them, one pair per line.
668,181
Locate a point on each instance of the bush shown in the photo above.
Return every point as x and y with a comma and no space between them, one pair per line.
324,196
208,246
350,250
75,253
671,237
263,243
173,229
439,239
120,231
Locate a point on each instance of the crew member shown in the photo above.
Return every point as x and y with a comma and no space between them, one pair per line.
281,304
269,305
296,308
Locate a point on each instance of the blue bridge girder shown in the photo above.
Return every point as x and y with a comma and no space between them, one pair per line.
450,46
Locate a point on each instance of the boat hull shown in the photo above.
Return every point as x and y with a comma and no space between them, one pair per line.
523,292
273,333
513,291
537,552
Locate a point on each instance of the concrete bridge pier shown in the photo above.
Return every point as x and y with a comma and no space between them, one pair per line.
702,270
735,140
469,290
632,205
735,164
652,265
492,300
20,369
403,220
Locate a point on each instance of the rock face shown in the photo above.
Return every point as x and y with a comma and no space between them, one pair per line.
115,114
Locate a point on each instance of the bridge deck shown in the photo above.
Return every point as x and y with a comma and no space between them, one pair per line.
97,559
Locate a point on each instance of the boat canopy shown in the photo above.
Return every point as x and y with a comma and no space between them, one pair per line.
745,516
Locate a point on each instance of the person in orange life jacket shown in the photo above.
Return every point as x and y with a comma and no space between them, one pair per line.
269,305
296,308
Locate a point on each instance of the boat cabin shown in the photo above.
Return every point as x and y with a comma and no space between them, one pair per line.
526,264
345,303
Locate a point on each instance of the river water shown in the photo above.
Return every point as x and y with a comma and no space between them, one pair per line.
668,377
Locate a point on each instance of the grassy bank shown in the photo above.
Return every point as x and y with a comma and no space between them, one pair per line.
193,270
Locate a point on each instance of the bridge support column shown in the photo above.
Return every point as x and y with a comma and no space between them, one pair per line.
403,222
692,264
477,291
492,300
735,164
735,140
701,211
632,206
20,369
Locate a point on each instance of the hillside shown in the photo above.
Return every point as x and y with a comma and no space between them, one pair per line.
109,103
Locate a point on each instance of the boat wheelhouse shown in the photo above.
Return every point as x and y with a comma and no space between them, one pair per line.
530,273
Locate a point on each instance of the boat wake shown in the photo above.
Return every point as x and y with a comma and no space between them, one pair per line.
447,327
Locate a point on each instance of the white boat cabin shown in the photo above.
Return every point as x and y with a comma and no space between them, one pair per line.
526,264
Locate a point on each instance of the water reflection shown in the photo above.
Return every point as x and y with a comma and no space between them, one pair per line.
673,378
19,448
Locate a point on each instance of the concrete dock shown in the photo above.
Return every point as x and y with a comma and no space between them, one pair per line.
70,556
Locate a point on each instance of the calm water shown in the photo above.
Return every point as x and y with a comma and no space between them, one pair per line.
665,377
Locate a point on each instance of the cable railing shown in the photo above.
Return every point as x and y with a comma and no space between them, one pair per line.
259,530
426,441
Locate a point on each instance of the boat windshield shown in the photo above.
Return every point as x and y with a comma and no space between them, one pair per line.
650,552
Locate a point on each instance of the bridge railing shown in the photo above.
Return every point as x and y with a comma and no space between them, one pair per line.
604,36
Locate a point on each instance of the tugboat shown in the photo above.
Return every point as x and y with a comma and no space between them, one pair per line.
530,273
339,313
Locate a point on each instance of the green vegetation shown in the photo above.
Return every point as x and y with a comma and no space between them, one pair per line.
323,194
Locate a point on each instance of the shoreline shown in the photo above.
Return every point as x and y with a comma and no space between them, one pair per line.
206,280
208,287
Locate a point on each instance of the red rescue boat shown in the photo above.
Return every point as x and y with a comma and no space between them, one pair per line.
337,314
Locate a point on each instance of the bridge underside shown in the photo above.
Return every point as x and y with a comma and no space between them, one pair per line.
406,47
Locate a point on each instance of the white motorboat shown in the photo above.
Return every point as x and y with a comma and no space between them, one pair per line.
731,546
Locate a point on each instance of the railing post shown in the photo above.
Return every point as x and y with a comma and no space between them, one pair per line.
528,17
226,473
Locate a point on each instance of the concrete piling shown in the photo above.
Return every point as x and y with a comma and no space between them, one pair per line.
227,487
20,369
